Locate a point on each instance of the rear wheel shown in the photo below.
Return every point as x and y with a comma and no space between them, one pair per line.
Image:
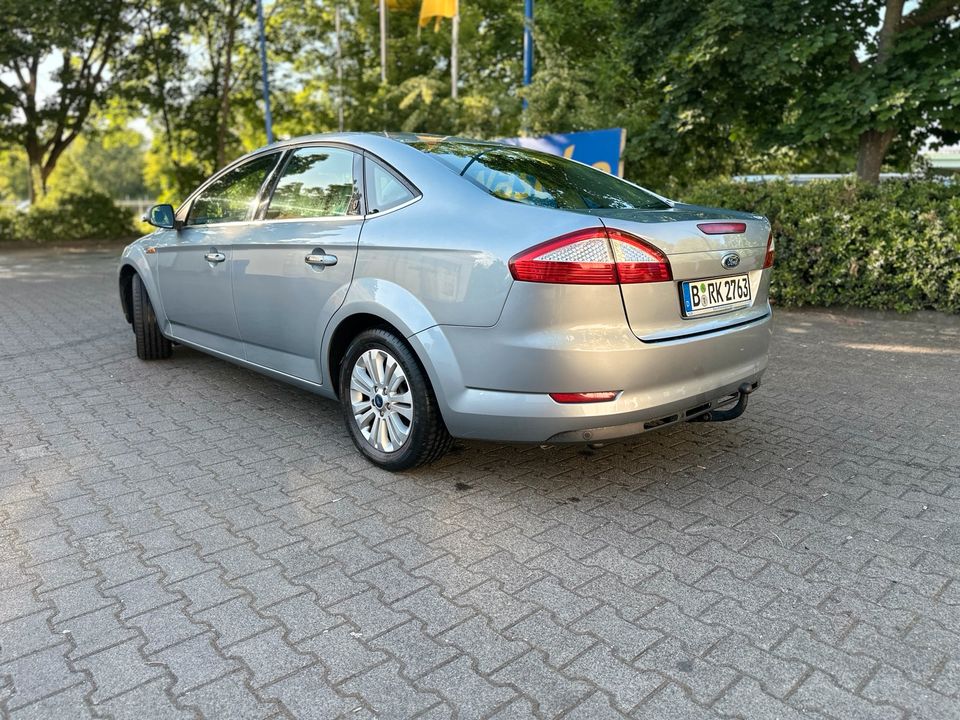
388,404
151,344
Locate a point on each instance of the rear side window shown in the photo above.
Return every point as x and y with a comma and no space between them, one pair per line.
384,189
316,182
233,196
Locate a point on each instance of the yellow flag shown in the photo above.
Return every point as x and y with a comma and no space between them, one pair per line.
437,9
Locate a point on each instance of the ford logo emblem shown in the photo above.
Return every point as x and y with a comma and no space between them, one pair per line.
730,260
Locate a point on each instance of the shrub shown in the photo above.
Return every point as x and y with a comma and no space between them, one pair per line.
8,226
87,216
893,246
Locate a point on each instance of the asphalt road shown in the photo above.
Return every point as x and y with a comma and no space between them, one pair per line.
187,538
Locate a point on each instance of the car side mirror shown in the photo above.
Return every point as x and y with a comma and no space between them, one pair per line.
161,216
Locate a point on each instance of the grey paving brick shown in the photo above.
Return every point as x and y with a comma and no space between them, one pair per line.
551,692
892,687
561,644
230,697
626,685
96,630
342,653
37,675
471,694
702,679
184,509
194,662
433,609
489,648
149,700
746,700
564,604
302,617
416,651
369,613
384,690
118,669
269,656
307,694
776,675
25,635
165,626
627,639
818,694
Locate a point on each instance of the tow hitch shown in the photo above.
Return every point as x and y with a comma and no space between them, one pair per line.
732,413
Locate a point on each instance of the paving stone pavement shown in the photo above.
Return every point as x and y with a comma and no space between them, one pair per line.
190,539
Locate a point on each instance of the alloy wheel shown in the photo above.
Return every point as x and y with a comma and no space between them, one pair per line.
381,400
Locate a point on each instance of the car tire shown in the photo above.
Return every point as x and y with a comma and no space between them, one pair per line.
151,344
426,436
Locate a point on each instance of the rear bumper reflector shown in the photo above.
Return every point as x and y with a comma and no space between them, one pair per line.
585,397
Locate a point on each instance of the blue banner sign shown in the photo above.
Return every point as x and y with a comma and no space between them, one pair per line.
603,149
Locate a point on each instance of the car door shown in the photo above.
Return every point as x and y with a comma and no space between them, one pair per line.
194,262
291,273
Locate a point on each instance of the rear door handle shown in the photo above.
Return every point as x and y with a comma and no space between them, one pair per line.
214,257
321,260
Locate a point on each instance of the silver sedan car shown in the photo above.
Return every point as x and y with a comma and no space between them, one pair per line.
441,288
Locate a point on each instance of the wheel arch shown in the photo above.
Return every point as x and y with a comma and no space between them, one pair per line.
126,291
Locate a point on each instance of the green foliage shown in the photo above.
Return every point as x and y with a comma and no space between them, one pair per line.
55,67
8,225
726,85
106,159
895,246
73,216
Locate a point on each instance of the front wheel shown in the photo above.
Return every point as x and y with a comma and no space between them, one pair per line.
388,404
151,344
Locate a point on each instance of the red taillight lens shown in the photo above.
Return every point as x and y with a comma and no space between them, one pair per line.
637,261
578,258
768,258
722,228
596,256
585,397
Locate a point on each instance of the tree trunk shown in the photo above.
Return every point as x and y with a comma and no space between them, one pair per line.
224,112
873,149
37,187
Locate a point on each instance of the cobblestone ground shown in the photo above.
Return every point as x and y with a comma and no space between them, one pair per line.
186,538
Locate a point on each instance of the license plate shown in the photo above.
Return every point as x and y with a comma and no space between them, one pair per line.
701,296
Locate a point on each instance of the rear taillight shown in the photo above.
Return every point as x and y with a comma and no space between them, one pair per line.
768,258
722,228
596,256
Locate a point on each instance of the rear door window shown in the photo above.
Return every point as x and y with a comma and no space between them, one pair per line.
316,182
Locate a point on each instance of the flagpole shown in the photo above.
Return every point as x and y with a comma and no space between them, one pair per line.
268,119
455,50
383,41
336,25
527,44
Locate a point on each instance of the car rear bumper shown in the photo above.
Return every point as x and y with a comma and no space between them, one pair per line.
478,374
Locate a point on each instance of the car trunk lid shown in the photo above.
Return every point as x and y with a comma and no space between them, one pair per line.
661,310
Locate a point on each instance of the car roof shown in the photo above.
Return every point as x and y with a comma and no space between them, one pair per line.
368,139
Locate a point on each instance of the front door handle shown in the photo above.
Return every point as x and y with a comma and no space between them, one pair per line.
214,256
320,259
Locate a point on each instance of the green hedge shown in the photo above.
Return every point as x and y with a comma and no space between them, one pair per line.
90,216
895,246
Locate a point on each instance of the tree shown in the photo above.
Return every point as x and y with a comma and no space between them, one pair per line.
735,84
75,42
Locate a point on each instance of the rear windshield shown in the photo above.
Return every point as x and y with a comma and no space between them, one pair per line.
536,178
